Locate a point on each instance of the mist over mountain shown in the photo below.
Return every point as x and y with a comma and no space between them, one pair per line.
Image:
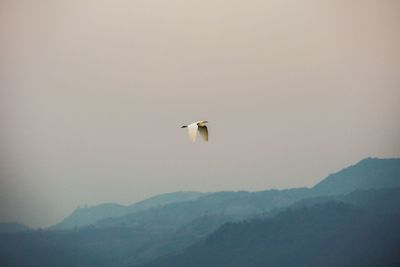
360,231
178,228
239,205
12,227
90,215
368,173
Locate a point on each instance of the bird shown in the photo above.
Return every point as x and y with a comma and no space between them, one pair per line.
197,126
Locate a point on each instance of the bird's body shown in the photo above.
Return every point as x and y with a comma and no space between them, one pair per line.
197,126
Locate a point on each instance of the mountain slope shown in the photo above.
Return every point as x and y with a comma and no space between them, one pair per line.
12,227
366,174
153,228
332,233
89,215
237,204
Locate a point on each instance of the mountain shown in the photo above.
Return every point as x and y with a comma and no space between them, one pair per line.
89,215
163,226
141,236
240,205
368,173
354,230
165,199
178,225
13,227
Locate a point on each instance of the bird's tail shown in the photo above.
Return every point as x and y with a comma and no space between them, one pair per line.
184,126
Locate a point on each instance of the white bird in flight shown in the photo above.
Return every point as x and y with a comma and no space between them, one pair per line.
197,126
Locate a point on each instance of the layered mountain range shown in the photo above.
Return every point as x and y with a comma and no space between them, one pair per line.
348,219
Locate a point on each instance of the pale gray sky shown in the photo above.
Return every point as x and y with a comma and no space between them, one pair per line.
93,94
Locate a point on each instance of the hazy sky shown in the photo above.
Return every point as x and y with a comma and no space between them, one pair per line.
93,94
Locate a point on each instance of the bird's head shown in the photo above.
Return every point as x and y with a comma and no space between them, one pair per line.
202,123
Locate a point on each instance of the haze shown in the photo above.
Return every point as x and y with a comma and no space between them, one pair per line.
93,94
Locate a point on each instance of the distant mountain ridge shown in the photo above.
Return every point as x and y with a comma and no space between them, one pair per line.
161,230
179,224
13,227
366,174
81,217
358,229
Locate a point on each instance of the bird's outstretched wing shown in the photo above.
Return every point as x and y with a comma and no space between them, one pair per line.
203,132
192,131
